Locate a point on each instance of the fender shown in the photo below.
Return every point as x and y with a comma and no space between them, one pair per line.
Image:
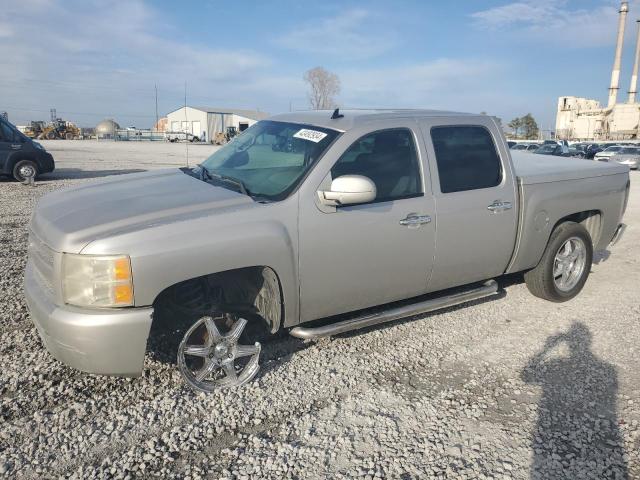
163,255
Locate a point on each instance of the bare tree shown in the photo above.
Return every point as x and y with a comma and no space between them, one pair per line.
323,87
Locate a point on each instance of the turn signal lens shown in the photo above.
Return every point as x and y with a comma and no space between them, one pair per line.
97,280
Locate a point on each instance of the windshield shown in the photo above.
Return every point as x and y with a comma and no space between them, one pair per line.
270,158
612,149
10,133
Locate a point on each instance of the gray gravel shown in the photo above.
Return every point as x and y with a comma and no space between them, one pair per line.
510,388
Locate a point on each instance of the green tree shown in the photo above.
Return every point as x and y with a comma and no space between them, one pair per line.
529,127
515,125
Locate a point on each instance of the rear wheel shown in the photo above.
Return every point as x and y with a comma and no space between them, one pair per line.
565,264
24,169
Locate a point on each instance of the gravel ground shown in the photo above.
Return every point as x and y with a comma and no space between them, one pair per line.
509,388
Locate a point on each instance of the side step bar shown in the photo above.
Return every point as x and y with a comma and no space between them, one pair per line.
487,289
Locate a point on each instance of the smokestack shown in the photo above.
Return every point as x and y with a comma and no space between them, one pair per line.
615,74
634,75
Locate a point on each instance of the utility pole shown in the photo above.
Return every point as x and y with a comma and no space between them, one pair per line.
157,119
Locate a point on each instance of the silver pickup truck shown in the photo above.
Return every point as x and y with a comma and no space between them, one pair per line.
315,223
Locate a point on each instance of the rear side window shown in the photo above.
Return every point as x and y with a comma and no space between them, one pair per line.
466,157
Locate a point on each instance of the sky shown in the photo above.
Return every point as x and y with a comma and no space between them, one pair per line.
94,59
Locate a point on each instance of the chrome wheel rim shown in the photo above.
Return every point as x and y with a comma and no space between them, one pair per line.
216,360
26,171
569,264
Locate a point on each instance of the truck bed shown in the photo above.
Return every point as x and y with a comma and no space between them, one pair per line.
531,168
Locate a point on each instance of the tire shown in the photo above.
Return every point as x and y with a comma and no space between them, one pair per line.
68,136
22,167
51,135
544,280
210,355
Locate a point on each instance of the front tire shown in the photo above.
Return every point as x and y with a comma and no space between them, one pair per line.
211,357
24,169
565,264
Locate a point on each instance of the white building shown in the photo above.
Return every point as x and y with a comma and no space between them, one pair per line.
211,120
585,119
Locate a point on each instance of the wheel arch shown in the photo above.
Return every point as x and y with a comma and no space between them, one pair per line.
256,289
18,155
529,253
591,220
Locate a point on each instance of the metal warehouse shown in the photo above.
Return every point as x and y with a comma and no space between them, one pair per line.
211,120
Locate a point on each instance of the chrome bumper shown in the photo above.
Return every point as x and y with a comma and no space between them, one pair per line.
107,342
618,235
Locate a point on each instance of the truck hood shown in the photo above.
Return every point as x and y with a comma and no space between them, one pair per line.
70,219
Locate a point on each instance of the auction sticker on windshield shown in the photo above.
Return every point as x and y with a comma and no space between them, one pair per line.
311,135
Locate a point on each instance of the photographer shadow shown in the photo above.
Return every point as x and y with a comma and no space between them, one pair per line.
577,434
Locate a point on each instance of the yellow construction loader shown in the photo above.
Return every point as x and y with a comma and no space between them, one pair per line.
59,129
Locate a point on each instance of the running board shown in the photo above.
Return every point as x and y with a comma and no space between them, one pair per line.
487,289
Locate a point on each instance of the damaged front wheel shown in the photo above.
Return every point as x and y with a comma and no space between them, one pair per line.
209,359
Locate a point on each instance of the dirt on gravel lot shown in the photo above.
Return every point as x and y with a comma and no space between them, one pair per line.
514,387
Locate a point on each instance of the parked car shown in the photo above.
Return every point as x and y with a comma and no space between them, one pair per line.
607,152
527,147
20,156
575,152
255,238
550,149
181,137
629,156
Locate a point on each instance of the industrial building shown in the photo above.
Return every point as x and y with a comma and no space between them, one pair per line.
210,120
106,129
585,119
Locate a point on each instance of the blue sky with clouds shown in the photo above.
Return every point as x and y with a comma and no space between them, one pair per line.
96,59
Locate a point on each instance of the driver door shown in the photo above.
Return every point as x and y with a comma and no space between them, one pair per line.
358,256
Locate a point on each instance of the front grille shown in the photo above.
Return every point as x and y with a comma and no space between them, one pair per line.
41,257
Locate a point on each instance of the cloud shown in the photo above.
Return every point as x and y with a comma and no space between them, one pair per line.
347,36
99,59
552,21
443,83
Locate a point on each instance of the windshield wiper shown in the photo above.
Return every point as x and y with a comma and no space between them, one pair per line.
207,175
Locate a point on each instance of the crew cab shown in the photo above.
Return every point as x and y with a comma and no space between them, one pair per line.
366,216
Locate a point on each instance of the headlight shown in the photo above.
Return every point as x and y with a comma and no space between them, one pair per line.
97,280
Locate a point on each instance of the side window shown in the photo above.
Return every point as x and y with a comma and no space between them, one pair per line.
6,133
466,157
389,159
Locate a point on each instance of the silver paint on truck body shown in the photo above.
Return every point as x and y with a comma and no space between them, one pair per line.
327,260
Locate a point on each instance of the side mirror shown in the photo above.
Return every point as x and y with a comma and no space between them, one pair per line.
349,190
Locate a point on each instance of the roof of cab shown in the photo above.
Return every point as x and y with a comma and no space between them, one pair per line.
353,118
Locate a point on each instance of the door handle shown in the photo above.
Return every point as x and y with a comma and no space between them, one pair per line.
414,220
499,206
15,146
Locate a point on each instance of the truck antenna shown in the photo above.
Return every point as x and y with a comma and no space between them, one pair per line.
336,114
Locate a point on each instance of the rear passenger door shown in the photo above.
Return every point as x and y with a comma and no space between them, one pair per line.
475,195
